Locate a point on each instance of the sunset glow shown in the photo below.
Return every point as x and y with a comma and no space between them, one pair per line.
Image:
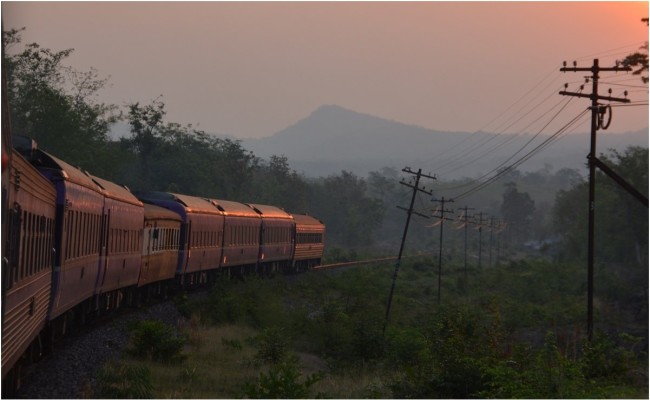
252,69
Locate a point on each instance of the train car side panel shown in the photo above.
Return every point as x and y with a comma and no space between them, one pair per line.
277,239
160,245
241,233
28,255
121,247
310,241
77,259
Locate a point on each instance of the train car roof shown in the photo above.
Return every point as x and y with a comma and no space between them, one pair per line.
152,211
192,204
117,192
69,173
267,211
303,219
234,208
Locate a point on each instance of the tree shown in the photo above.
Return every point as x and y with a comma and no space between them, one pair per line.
341,202
621,220
167,156
639,59
55,104
274,182
518,209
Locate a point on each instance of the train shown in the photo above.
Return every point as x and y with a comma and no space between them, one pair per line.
76,246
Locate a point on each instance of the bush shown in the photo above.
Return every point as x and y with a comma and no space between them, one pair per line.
153,340
603,359
273,345
281,382
119,381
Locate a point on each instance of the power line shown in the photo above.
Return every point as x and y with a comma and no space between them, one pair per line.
517,152
503,143
523,159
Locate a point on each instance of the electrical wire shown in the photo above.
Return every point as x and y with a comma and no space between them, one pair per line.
525,157
503,143
451,155
566,103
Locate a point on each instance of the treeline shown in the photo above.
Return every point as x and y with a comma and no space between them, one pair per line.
58,107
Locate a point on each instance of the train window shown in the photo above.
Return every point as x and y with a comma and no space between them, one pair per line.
68,235
86,230
40,239
75,237
25,245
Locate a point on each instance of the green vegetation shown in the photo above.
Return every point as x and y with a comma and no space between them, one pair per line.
516,331
122,381
153,340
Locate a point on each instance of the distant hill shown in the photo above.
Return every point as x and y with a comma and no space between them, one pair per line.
333,138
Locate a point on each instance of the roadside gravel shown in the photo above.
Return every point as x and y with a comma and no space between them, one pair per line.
70,372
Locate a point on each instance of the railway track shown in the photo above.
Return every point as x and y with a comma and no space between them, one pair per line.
366,262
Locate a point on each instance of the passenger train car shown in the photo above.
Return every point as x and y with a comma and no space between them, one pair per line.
76,245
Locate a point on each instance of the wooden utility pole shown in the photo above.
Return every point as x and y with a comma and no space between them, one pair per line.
442,217
597,116
416,188
480,237
491,234
466,221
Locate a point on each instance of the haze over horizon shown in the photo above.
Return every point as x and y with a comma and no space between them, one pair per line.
253,69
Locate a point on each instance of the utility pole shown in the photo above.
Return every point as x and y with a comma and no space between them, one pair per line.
442,217
597,116
502,225
480,236
491,232
466,221
416,188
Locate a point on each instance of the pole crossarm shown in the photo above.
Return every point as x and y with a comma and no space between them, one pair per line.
597,97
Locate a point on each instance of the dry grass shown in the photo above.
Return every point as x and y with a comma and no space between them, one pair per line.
215,367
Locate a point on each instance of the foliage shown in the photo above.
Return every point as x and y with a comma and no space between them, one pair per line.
602,358
55,104
518,209
639,59
272,346
281,382
621,220
168,156
153,340
348,211
122,381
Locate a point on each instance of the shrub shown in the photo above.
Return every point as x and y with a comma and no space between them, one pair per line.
153,340
281,382
272,346
119,381
603,359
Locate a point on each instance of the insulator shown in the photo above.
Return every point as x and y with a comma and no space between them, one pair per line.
564,63
625,93
582,87
609,91
566,85
575,64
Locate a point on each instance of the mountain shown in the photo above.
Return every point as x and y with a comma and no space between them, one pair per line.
333,138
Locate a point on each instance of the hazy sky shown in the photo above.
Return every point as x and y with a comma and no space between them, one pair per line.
250,69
